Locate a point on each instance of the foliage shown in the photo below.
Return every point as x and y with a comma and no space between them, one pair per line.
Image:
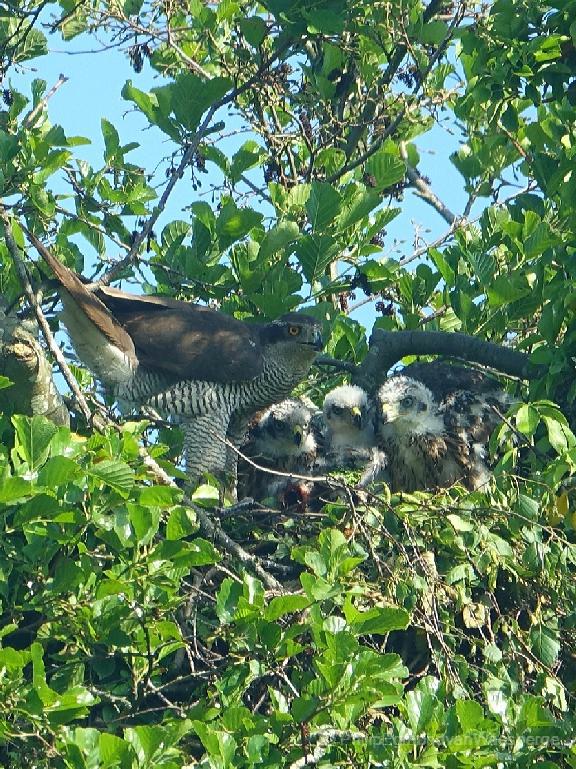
430,630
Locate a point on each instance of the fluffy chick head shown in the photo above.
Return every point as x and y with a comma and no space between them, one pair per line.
405,405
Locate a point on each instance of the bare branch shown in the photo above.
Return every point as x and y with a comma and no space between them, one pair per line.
424,191
31,117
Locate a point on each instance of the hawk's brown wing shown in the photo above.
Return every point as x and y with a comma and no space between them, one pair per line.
185,339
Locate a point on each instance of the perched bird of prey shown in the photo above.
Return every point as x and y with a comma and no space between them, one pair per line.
430,444
281,438
209,370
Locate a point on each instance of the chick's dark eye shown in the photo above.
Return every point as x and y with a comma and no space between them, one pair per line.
407,402
294,330
337,409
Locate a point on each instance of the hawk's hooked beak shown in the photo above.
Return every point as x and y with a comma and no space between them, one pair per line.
317,341
298,435
357,415
384,416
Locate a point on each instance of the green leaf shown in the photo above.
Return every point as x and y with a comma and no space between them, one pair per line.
315,252
358,208
387,169
285,604
149,105
277,239
161,496
111,139
115,753
181,523
483,266
322,206
33,438
133,7
118,475
303,708
545,644
191,96
558,434
248,156
14,489
527,419
235,223
433,32
254,30
380,621
58,471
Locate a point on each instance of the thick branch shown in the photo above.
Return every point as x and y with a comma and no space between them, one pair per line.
24,362
20,268
389,347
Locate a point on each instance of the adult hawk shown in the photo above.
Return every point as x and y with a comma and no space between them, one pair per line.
431,444
281,438
209,370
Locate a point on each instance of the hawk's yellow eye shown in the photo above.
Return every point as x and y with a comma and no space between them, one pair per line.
294,330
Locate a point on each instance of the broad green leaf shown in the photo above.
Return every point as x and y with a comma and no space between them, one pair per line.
248,156
433,32
358,208
483,266
33,438
322,206
162,496
155,105
133,7
285,604
545,644
58,471
558,434
380,621
276,239
191,96
235,223
111,139
527,419
118,475
254,30
386,168
114,751
315,253
14,489
181,523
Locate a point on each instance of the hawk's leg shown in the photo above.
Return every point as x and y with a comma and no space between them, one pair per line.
204,445
237,432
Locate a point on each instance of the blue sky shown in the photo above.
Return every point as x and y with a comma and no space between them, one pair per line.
93,91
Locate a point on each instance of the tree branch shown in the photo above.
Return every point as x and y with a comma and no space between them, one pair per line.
423,189
389,347
24,362
22,273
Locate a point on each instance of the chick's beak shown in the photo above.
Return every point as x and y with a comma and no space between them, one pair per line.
297,436
357,416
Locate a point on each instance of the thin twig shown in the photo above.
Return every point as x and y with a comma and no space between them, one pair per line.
31,117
